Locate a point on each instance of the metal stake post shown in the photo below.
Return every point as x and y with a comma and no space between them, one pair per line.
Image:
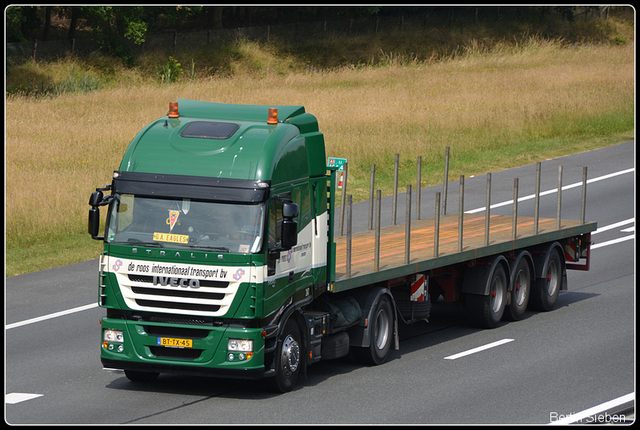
371,185
436,227
536,215
559,208
488,211
395,190
349,235
446,182
344,196
584,195
376,259
407,228
514,228
460,213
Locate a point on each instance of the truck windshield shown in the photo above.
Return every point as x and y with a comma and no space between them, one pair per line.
185,223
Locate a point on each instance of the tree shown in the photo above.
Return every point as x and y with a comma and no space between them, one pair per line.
20,21
47,22
113,24
75,15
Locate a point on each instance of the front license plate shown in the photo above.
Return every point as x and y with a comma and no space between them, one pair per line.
176,343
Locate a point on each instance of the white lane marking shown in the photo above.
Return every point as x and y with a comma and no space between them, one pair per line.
612,242
570,418
13,398
631,229
53,315
553,191
478,349
600,178
615,225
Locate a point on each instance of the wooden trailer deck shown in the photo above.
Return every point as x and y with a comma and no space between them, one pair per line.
392,262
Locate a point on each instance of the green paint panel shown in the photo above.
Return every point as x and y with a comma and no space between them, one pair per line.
255,151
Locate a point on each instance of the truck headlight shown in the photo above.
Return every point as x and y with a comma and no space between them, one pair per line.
240,349
112,336
240,345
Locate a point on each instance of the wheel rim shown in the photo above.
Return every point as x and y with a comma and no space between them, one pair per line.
497,290
290,356
521,287
382,329
552,278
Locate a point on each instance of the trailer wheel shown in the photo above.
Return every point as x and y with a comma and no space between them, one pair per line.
545,289
138,376
288,360
487,310
381,335
520,291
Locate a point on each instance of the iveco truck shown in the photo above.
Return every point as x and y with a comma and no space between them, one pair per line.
220,256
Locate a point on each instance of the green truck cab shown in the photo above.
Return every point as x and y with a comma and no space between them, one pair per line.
216,232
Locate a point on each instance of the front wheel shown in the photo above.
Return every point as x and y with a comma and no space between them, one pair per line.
288,360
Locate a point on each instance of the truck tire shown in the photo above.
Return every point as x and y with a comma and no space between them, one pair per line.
288,359
520,289
381,335
486,310
138,376
544,294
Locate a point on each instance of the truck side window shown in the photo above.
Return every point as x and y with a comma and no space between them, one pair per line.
275,220
275,226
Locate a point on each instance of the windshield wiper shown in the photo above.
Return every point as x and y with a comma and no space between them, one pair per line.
134,241
213,248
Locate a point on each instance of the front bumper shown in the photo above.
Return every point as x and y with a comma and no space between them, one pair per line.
208,355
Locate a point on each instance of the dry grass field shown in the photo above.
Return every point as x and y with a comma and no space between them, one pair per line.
507,106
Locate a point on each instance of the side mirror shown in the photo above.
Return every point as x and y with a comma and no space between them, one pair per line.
95,199
289,225
94,222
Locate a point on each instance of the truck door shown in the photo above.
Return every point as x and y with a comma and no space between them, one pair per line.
280,264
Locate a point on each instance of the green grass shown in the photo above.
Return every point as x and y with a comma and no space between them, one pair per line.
496,103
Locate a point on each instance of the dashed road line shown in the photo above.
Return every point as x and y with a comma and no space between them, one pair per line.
53,315
13,398
478,349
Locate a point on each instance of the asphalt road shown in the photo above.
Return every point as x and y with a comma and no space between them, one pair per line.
548,367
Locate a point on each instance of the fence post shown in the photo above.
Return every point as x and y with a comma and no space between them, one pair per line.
33,52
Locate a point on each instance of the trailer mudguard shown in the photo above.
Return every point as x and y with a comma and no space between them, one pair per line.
368,299
477,279
541,260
